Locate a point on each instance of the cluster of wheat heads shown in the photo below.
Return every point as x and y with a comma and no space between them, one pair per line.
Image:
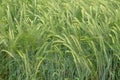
59,40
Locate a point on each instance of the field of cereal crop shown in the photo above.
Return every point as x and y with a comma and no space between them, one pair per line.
59,39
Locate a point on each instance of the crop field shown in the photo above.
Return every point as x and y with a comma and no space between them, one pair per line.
59,39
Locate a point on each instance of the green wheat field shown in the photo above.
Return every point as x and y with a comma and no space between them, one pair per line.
59,39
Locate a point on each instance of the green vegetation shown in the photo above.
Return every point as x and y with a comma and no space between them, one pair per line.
59,39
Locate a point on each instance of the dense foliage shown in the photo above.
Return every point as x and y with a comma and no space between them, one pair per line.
59,39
